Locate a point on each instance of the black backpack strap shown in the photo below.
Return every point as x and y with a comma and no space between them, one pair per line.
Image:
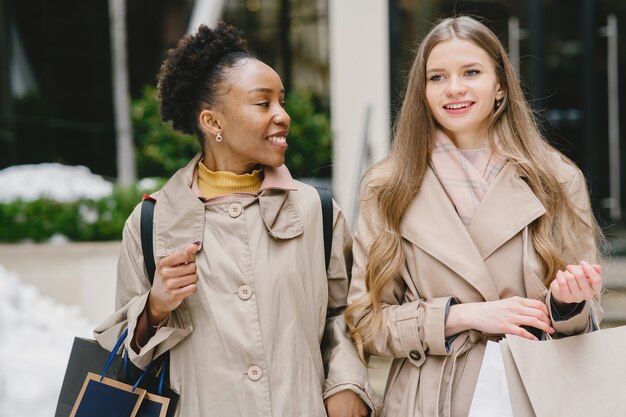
147,247
326,199
147,215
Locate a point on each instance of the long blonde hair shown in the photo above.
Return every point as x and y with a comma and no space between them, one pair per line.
555,235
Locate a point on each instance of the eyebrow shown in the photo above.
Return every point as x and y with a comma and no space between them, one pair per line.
472,64
264,90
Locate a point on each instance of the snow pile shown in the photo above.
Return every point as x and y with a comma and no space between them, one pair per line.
55,181
36,336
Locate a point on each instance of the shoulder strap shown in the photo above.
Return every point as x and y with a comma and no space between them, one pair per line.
326,199
147,247
147,215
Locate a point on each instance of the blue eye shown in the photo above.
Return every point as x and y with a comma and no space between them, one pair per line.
436,78
472,72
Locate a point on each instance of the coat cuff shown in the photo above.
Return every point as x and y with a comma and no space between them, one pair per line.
373,403
436,310
571,324
177,328
421,328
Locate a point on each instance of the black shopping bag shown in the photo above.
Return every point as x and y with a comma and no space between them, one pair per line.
88,356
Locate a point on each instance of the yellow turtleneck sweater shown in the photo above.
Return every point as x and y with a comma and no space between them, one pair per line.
214,184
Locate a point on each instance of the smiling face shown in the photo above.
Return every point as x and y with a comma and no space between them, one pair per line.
250,117
462,90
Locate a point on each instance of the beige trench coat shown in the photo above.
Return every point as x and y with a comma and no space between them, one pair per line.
492,259
248,342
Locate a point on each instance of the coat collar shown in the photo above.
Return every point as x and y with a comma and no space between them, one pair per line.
179,214
431,223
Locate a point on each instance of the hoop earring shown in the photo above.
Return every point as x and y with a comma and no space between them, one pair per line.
219,137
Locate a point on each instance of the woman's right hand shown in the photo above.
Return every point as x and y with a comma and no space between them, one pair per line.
175,279
505,316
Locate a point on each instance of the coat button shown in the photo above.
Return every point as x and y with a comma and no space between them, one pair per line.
254,373
415,355
234,210
244,292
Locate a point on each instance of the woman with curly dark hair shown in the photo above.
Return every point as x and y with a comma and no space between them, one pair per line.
242,298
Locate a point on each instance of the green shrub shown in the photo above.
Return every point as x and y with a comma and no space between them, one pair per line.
81,220
161,150
310,145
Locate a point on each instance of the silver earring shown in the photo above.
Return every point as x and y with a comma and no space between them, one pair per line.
499,102
219,137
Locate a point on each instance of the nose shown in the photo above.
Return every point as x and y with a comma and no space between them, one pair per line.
281,117
455,87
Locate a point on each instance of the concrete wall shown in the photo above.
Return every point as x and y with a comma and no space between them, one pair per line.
82,274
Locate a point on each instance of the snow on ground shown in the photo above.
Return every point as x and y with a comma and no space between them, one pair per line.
56,181
36,336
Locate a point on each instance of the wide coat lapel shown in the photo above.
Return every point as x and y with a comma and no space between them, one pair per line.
432,224
507,208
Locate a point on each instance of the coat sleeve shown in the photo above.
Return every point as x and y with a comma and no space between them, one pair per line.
131,296
411,327
344,369
588,317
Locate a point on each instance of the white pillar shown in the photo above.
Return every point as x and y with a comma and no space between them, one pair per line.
126,167
359,80
205,12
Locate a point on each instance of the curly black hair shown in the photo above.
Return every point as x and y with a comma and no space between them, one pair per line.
190,76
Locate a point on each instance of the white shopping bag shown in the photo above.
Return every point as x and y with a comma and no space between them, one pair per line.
491,396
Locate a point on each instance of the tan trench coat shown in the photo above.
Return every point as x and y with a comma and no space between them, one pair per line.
248,342
492,259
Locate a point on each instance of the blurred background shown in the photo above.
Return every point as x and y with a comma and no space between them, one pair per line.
81,139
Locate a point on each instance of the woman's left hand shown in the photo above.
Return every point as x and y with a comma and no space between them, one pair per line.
577,284
346,404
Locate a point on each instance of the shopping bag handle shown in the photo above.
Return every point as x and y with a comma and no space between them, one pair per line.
161,378
113,353
117,346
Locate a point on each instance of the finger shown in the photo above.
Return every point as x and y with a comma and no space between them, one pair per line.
593,275
573,285
538,315
535,304
193,248
518,331
586,289
554,286
185,255
576,270
563,294
185,291
536,323
181,281
170,272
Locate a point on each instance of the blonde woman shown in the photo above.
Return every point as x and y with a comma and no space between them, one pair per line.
472,228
